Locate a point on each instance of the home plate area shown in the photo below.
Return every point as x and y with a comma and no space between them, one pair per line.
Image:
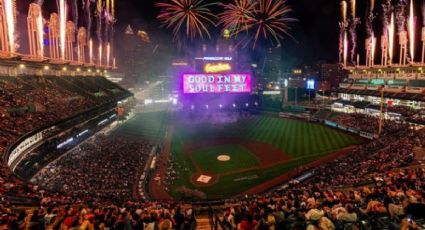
204,179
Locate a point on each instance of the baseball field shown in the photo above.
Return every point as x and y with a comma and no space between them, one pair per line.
214,161
218,161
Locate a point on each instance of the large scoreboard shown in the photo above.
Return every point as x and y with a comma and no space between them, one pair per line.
216,83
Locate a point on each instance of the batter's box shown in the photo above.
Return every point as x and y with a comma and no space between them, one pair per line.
204,179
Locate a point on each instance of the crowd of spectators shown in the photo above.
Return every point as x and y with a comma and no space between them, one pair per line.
376,186
105,168
365,161
418,118
366,123
405,111
397,204
131,215
30,102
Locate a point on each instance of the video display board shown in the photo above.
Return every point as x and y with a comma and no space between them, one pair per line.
216,83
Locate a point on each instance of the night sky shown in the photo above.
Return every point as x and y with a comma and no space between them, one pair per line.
315,33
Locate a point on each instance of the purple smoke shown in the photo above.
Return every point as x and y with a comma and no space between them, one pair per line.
87,12
386,14
401,15
99,24
74,9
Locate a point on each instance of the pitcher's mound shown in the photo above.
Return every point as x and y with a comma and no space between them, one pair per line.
223,158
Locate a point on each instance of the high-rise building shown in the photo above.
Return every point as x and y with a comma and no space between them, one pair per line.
272,68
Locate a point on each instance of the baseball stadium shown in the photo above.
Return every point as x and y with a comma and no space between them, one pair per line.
212,115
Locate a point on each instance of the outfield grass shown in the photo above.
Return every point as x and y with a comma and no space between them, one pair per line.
296,138
303,142
241,158
150,126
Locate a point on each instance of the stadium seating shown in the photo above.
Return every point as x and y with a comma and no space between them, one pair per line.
30,102
378,185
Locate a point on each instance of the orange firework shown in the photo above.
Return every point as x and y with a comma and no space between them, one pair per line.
189,17
271,20
237,15
261,20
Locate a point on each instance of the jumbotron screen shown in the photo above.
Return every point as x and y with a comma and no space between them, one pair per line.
217,83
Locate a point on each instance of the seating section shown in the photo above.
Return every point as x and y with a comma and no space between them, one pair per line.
105,168
29,102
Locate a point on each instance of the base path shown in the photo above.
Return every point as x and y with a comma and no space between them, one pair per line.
156,187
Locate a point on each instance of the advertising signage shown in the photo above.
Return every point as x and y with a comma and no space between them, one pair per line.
216,83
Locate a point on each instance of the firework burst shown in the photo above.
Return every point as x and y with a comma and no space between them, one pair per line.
262,20
271,20
188,17
237,15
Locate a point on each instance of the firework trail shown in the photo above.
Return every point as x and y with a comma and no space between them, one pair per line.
342,30
344,11
353,34
411,27
355,21
391,31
